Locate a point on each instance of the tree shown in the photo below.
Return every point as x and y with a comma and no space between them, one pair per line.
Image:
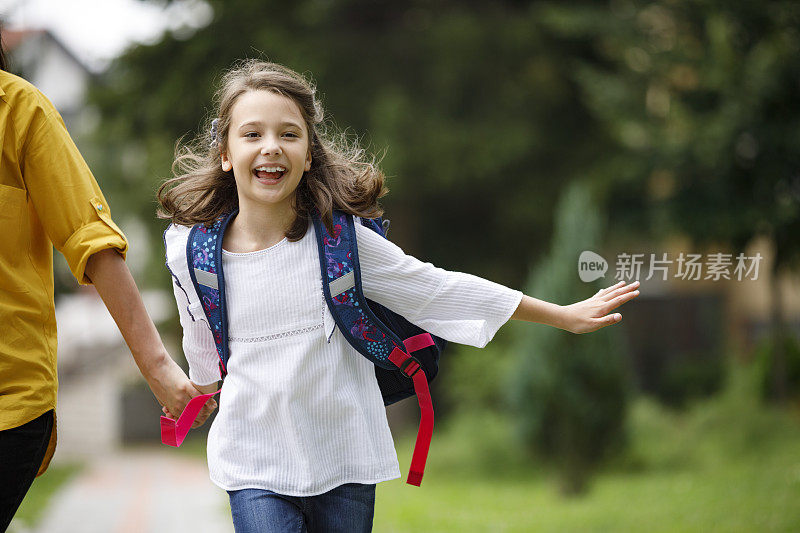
700,97
569,392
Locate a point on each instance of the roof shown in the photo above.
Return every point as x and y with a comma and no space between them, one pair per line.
13,38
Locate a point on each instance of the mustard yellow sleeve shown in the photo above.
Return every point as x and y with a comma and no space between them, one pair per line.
65,195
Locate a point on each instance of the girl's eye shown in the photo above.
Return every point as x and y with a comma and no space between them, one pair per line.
255,134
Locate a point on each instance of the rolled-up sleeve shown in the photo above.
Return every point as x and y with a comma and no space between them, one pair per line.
65,195
458,307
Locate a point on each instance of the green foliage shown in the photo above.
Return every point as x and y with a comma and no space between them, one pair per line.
711,432
569,391
473,379
478,444
764,356
700,97
689,376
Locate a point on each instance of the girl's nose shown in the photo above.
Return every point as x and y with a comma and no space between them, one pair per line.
270,148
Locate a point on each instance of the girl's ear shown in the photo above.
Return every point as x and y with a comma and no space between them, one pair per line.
226,163
308,161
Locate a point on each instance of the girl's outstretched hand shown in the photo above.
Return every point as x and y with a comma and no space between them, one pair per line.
593,313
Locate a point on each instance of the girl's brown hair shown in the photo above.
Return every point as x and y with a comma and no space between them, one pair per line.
341,175
3,62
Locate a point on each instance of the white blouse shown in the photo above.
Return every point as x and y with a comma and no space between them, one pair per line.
300,411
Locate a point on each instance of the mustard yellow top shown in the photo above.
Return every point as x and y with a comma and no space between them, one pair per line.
48,197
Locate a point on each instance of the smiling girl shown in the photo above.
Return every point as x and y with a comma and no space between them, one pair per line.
301,436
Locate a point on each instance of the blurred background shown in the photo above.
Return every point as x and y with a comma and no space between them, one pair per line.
515,136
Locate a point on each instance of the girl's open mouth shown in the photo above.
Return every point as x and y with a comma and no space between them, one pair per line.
269,174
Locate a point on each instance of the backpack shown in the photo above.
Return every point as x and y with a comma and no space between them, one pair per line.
382,336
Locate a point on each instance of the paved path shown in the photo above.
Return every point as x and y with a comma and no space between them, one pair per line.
140,492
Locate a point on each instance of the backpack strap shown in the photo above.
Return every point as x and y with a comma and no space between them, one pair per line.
341,275
411,368
204,261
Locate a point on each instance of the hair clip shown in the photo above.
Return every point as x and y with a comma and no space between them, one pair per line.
214,124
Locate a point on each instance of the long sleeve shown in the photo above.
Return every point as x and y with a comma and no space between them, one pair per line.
65,195
459,307
198,343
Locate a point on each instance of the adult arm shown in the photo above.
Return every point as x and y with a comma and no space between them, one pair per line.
110,275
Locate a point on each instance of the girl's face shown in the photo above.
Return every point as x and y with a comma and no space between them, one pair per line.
268,149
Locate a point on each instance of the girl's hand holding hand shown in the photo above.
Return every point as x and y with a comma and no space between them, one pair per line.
593,313
208,408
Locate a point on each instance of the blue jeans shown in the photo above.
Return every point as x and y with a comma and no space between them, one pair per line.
347,508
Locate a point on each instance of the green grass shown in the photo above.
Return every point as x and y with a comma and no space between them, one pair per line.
42,490
726,464
743,496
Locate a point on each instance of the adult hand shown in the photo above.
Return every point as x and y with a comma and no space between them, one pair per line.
593,313
173,390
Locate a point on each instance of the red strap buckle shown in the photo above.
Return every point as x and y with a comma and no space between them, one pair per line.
407,364
409,367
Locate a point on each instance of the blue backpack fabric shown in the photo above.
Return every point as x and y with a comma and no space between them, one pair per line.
382,336
372,329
